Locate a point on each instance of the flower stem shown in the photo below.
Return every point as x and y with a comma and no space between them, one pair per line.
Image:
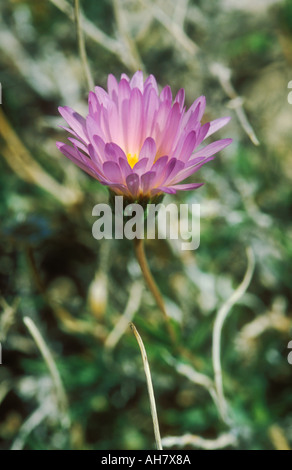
149,386
150,282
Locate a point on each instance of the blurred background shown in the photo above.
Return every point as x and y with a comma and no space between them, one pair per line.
81,293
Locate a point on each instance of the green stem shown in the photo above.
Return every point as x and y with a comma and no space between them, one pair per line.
150,282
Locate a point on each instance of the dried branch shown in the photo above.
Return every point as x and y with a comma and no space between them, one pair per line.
149,386
278,437
7,317
24,165
224,440
172,27
82,49
48,358
180,12
223,74
132,307
217,331
34,420
196,377
96,34
135,61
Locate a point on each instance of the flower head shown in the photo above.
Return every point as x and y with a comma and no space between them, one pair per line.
139,142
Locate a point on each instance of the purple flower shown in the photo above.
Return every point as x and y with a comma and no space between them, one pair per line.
140,142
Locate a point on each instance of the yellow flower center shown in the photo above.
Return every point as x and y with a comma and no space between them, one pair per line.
132,159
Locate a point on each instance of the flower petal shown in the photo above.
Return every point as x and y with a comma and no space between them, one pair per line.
124,92
102,96
75,121
140,166
217,124
147,180
134,122
173,167
186,187
95,157
76,157
93,104
93,129
148,151
188,147
112,172
188,171
180,98
78,144
133,184
137,81
114,152
166,94
112,86
125,168
211,149
124,76
151,80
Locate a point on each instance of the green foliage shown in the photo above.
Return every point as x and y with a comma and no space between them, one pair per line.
50,262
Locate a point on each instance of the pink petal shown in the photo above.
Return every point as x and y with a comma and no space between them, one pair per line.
93,129
140,166
188,147
137,81
166,94
186,187
76,157
124,92
78,144
75,121
125,124
95,158
125,168
147,180
114,152
159,123
104,123
133,184
160,168
134,122
115,127
112,172
160,164
202,133
151,106
112,86
165,189
148,151
93,104
180,98
118,188
102,96
171,130
190,169
125,77
151,80
99,145
217,124
196,110
212,148
69,130
174,166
